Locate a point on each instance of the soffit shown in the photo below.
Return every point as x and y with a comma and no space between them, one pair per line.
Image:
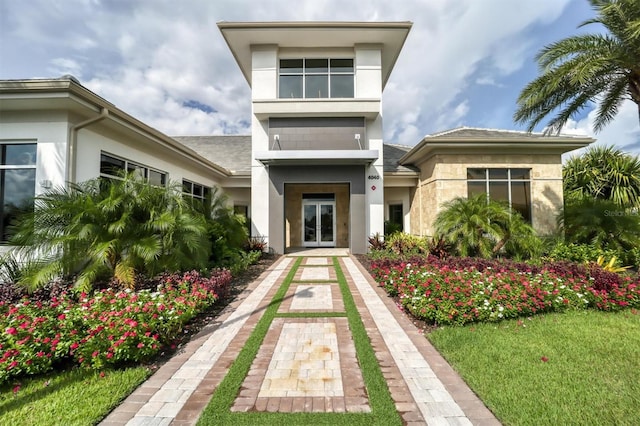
324,157
241,36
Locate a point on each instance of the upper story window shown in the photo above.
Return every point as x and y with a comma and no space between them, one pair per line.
17,182
316,78
111,167
510,185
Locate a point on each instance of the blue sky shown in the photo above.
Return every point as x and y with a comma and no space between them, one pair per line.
165,62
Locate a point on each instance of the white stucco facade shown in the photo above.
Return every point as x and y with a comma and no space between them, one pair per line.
370,50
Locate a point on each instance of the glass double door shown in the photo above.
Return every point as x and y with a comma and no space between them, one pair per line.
319,223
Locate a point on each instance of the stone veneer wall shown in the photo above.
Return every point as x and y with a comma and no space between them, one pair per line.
444,177
293,211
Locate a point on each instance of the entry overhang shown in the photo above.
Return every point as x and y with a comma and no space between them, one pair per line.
325,157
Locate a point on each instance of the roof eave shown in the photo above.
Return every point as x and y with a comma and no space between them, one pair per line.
240,50
558,145
82,95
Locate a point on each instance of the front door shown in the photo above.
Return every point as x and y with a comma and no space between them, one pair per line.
319,223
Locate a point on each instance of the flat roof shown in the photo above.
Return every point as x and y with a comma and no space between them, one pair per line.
241,36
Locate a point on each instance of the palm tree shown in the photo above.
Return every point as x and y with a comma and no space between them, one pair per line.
601,223
478,227
227,230
94,230
603,68
605,173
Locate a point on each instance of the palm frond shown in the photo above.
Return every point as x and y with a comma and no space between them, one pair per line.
586,69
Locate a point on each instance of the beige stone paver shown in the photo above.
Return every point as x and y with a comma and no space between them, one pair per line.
323,297
316,273
312,297
433,400
301,365
316,261
312,365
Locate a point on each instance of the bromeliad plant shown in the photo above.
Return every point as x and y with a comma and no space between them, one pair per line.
110,229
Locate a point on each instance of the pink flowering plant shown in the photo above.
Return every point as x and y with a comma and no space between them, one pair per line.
107,328
464,290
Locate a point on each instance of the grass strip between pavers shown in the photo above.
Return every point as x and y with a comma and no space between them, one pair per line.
382,405
311,314
383,411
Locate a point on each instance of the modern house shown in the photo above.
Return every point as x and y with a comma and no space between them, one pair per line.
315,170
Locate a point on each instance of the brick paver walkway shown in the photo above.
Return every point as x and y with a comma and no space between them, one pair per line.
307,361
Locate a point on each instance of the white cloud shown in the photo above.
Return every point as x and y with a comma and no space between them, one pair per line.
150,56
61,66
623,131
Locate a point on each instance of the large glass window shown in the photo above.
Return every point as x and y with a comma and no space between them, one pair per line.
111,167
17,182
510,185
316,78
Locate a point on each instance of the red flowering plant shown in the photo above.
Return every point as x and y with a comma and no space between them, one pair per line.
464,290
30,337
108,328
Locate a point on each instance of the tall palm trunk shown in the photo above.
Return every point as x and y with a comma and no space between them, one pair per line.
634,89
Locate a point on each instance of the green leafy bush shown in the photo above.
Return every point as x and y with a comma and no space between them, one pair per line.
391,227
478,227
580,253
602,223
404,244
116,229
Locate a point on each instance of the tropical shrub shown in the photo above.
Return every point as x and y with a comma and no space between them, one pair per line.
580,253
478,227
605,173
404,244
376,242
464,290
391,227
227,231
601,223
110,229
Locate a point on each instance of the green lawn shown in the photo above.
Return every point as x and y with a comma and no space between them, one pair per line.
71,397
576,368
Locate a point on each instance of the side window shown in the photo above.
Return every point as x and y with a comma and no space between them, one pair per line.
111,167
195,190
17,182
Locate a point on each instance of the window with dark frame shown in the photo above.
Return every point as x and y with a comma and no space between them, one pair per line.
195,191
316,78
111,167
17,182
510,185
